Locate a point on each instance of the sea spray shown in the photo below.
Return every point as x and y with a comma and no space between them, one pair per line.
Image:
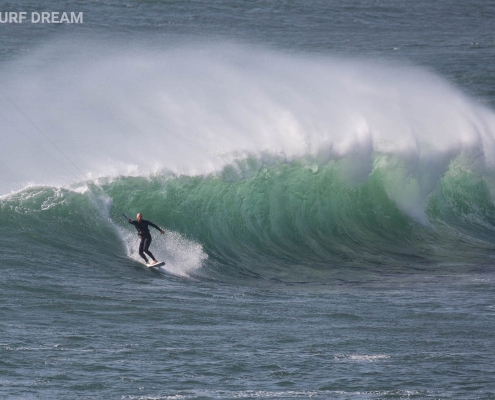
192,108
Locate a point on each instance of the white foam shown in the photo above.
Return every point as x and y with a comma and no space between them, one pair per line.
182,256
286,394
362,357
187,108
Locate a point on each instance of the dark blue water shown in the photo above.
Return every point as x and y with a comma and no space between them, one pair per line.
324,172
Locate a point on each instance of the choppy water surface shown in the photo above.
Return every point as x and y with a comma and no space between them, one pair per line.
324,173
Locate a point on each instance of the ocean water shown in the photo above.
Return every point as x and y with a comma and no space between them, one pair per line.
325,175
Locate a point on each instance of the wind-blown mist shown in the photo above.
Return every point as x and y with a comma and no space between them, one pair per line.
192,109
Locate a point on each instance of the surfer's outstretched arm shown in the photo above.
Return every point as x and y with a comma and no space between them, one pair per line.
156,227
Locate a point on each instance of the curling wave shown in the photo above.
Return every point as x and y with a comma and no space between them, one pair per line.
287,167
271,219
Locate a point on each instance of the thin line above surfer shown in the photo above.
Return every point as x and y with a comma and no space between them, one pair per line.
145,236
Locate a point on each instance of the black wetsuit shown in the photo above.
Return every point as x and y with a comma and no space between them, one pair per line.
145,236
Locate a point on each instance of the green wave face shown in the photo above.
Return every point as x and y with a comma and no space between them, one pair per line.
297,219
271,219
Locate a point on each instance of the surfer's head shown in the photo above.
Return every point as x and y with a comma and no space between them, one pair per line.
139,217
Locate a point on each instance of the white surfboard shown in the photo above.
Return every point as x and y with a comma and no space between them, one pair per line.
158,264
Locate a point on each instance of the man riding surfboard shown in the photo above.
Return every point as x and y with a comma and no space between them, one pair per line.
145,236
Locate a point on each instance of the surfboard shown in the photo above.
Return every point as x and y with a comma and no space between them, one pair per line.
158,264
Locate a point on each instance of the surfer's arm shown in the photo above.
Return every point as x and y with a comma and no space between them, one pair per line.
156,227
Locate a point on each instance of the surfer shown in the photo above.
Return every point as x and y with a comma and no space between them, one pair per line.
145,236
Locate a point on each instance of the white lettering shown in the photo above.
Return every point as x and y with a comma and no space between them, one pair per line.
45,17
65,18
76,19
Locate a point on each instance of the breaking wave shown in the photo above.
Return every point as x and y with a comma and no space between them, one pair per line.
259,164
